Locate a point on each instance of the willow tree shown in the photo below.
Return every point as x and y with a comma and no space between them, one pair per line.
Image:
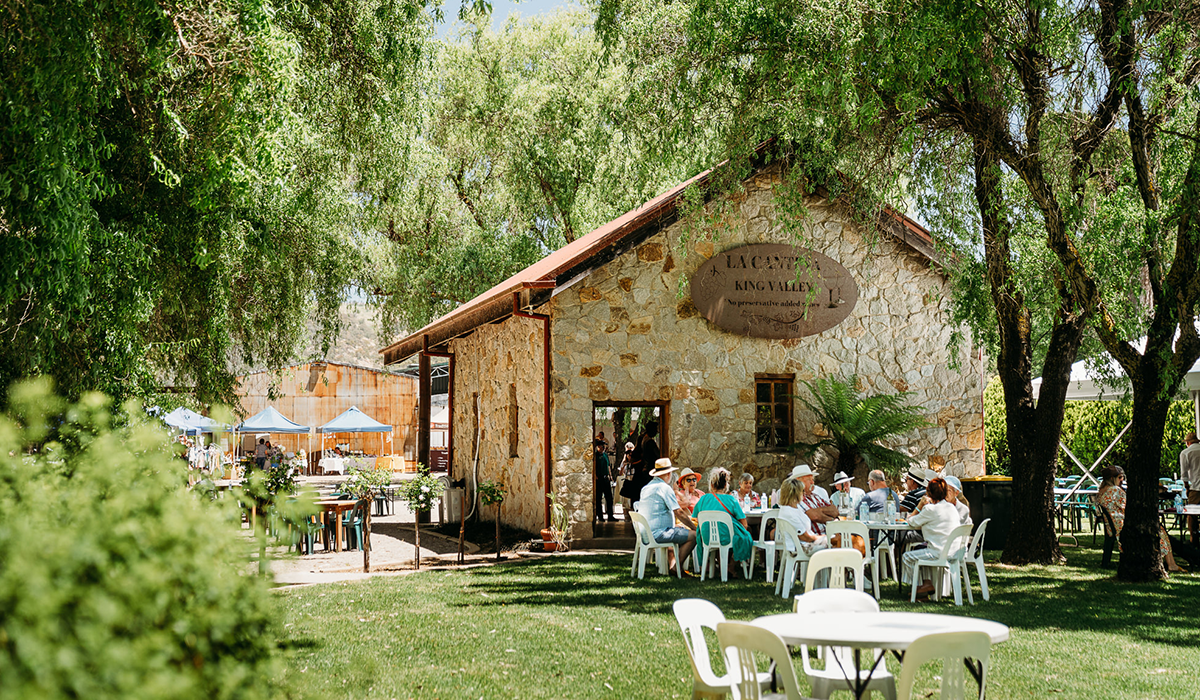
1054,132
522,145
181,183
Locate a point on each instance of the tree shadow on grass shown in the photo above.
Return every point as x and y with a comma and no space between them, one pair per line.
1074,597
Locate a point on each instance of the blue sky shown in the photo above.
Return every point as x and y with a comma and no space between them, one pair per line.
501,9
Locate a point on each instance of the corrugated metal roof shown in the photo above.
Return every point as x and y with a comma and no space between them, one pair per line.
496,303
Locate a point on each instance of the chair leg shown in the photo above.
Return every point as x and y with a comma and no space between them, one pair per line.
642,563
916,576
724,564
956,584
770,564
678,564
981,574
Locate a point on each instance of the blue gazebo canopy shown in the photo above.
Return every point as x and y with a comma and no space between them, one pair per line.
269,420
353,420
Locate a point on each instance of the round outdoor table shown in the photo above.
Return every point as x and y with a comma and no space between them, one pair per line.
892,631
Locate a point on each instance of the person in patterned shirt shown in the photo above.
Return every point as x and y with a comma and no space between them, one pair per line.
818,508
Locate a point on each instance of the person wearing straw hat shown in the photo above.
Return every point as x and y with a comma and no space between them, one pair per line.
845,496
658,503
818,507
685,490
914,484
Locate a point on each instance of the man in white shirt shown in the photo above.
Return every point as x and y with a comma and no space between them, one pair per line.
845,496
662,510
1189,469
817,507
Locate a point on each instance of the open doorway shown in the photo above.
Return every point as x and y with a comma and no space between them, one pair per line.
615,424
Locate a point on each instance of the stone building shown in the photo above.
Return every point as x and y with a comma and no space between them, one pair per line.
628,311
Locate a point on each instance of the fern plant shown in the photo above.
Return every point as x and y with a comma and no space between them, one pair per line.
856,425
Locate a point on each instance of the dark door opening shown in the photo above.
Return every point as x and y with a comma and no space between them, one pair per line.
616,423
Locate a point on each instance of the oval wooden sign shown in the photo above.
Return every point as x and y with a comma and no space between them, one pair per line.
773,291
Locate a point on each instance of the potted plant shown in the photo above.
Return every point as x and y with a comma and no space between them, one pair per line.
856,426
420,493
492,493
363,485
557,536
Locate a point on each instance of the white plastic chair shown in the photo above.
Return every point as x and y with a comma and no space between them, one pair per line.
835,561
794,557
709,524
742,644
840,660
975,556
849,528
769,547
953,648
951,559
694,616
645,546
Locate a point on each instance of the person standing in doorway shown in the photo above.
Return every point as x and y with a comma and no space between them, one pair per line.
1189,470
604,483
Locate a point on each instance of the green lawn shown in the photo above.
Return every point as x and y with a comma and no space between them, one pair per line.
580,627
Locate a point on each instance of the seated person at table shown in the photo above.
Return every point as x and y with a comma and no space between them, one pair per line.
878,492
685,490
746,488
846,497
954,495
658,503
914,483
936,521
719,499
792,511
1112,497
816,506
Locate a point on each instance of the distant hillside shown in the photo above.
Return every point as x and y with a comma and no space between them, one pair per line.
358,343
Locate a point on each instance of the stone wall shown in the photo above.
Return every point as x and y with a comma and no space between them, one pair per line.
626,332
500,363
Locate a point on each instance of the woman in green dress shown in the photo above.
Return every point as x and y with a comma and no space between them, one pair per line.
719,499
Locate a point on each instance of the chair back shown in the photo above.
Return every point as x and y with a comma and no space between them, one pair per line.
641,527
836,561
953,648
846,530
709,526
787,535
742,644
956,543
767,516
1110,525
975,551
693,616
834,600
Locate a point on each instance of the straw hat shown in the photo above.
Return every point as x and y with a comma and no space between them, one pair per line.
802,470
684,474
916,475
841,478
662,467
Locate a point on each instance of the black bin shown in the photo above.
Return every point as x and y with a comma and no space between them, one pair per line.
991,497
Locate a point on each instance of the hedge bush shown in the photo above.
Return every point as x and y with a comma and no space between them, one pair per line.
116,581
1088,427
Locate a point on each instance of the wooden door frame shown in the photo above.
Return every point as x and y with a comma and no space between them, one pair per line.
664,441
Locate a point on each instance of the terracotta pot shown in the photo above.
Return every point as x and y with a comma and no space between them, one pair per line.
548,543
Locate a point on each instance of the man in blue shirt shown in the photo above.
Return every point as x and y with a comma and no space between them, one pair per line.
661,508
877,497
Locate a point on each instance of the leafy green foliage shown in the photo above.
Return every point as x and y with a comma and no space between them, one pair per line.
1088,428
421,492
365,484
522,146
857,426
492,492
183,186
116,580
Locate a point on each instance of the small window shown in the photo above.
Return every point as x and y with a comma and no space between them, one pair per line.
773,412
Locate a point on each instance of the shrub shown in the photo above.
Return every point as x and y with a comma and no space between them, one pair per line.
1088,427
115,579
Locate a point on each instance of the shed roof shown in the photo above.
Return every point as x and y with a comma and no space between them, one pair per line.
601,245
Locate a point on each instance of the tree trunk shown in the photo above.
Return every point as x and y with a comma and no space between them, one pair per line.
1141,559
366,543
417,527
497,532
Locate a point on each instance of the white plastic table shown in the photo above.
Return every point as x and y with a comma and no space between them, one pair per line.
892,631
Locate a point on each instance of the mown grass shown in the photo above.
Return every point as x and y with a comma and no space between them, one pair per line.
580,627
